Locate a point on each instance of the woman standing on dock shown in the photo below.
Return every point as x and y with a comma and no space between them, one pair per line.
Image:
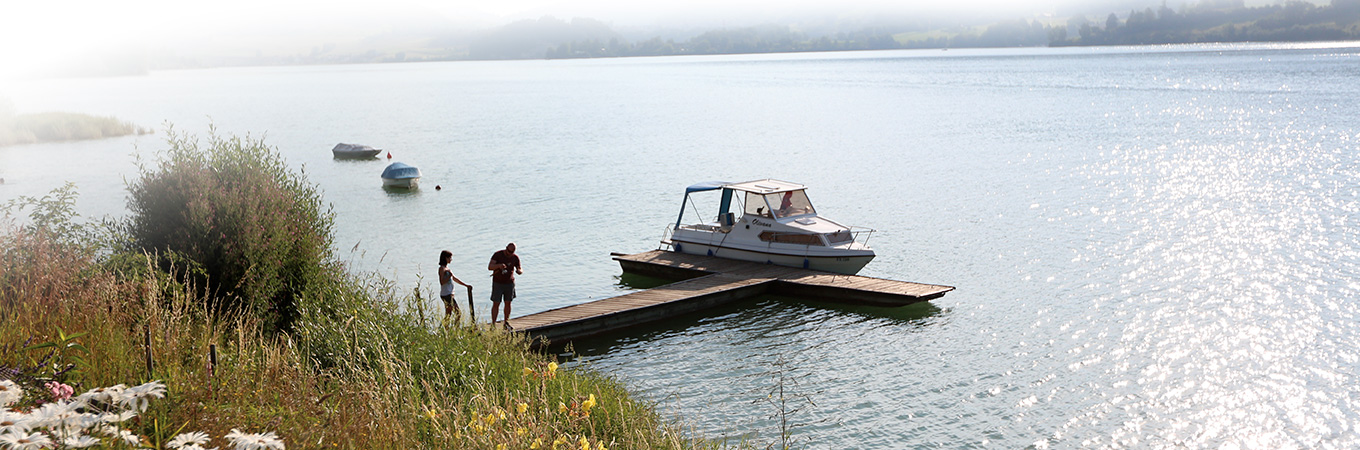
446,280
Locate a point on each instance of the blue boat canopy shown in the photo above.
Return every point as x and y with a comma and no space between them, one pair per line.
706,186
398,171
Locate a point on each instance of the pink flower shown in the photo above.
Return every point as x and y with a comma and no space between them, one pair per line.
60,391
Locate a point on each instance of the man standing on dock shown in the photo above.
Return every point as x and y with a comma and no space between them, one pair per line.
504,266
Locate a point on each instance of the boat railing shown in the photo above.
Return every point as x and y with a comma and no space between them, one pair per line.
862,232
853,235
666,243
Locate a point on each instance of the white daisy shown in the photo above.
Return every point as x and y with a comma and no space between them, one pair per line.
265,441
13,422
10,393
120,434
20,441
79,441
52,415
139,397
118,417
195,438
106,395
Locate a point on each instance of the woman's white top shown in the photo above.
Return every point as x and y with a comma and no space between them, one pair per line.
445,288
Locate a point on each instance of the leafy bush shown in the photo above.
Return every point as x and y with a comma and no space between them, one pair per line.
257,231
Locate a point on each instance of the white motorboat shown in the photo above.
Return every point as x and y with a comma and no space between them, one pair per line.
354,151
778,225
401,175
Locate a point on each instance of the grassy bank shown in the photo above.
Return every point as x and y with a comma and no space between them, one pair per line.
324,358
61,126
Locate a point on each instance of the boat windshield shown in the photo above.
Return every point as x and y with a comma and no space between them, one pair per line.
780,204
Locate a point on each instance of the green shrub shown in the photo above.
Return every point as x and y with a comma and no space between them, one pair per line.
256,230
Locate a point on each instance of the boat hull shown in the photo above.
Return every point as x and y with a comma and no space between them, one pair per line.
361,154
402,183
846,264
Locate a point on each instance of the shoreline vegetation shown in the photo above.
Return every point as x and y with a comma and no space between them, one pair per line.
61,126
222,288
1205,22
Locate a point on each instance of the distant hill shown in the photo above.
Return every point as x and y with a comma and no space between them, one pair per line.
553,38
1206,21
1222,21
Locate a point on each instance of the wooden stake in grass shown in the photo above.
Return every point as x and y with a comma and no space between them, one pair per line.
150,364
472,310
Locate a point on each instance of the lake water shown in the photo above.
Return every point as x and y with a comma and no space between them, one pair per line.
1154,247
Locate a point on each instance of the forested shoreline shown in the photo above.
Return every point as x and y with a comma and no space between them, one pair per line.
1206,21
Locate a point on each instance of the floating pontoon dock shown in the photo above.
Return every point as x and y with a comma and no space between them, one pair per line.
708,282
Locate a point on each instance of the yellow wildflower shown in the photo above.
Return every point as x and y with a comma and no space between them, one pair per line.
561,407
585,444
490,418
599,445
500,414
559,441
522,408
522,431
528,371
538,443
500,446
590,403
552,369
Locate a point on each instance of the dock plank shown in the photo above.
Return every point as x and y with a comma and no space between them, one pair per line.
708,281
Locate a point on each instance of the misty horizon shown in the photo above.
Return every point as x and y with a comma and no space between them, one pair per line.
52,41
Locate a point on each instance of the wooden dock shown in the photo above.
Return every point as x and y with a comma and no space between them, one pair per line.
708,282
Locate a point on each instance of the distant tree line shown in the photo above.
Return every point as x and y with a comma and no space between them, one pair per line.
761,39
1206,21
552,38
1220,21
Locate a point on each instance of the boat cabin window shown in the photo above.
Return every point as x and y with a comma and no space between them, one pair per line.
791,203
780,204
755,205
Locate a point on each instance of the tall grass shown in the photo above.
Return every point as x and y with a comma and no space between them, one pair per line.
61,126
388,380
362,366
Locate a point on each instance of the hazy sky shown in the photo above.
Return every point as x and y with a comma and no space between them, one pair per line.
39,31
35,33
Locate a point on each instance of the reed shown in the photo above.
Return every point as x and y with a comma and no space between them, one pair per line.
61,126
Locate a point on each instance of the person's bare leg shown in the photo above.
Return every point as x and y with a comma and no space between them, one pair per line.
495,306
507,315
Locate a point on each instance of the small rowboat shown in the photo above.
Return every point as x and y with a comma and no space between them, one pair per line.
354,151
401,175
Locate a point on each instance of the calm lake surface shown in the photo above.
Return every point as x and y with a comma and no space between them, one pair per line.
1154,247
